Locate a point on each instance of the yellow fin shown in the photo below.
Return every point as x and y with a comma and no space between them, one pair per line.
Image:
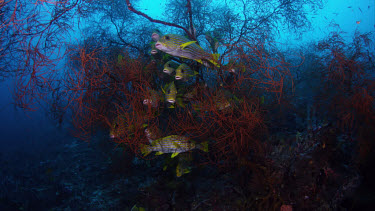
204,146
262,99
215,56
187,170
180,102
174,154
182,46
145,149
200,61
159,153
176,144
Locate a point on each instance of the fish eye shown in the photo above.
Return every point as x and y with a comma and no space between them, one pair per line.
182,71
167,37
168,65
169,91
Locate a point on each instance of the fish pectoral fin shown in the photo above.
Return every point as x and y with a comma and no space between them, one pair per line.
204,146
177,145
187,170
159,153
182,46
200,61
174,154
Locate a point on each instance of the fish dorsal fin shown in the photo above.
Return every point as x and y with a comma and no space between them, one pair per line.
187,44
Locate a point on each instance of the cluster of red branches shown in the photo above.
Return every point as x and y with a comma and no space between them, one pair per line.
101,84
32,39
258,65
348,81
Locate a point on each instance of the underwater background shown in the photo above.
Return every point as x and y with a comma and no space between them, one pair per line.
187,105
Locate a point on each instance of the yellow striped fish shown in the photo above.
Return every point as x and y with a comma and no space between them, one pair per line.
152,98
120,127
170,93
170,67
174,144
180,46
184,72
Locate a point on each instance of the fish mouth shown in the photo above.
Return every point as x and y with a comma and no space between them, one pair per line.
146,101
112,136
171,101
178,77
158,45
154,36
166,71
153,52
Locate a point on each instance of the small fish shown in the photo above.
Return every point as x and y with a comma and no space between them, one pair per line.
135,208
170,93
193,92
360,9
262,100
153,98
222,104
119,58
120,127
170,67
222,99
350,7
358,22
153,49
184,72
183,166
174,144
156,35
180,46
152,133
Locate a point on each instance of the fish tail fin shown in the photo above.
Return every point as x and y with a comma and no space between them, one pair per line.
214,58
145,149
204,146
